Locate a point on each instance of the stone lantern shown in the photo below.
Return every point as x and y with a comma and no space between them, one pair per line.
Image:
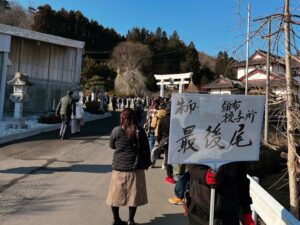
20,84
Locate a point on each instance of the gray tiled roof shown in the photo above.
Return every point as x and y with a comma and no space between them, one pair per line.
226,83
33,35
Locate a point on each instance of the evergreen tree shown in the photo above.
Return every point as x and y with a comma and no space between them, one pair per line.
223,65
191,63
74,25
91,68
138,35
4,5
44,20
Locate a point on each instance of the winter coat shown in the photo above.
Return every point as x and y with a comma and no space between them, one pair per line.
79,112
129,155
155,121
164,127
65,106
232,194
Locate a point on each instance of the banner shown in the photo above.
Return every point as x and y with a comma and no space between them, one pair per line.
215,129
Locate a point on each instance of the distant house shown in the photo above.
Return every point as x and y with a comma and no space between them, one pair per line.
223,86
53,64
256,78
259,61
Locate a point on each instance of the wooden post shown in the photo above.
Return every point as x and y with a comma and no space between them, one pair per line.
290,105
266,126
247,50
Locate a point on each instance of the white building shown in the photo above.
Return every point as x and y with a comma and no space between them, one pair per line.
53,64
257,75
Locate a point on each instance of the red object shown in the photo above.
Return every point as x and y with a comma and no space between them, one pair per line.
170,180
248,220
210,177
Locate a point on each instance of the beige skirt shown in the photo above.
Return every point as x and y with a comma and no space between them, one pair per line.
127,189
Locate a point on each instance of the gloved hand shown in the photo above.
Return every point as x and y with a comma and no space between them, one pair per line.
248,220
210,177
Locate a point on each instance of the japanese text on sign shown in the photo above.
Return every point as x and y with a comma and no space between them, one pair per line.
212,128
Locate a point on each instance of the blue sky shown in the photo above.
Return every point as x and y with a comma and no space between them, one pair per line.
213,26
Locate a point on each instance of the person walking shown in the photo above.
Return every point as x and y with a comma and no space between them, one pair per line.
77,120
114,102
130,160
232,194
147,126
124,102
65,108
129,99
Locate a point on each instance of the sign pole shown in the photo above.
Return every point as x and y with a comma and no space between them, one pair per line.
212,201
212,206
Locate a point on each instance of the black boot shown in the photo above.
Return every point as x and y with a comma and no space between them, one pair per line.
117,219
130,222
119,222
132,211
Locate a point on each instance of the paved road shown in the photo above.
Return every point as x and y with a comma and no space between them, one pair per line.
44,180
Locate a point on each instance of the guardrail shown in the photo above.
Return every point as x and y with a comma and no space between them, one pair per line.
268,209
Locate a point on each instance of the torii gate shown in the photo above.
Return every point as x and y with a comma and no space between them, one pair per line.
171,79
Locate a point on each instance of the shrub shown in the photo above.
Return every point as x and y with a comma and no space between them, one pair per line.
92,107
49,119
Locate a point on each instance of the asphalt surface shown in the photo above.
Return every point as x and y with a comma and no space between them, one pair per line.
45,180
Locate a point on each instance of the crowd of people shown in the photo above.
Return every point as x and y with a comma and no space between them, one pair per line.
137,148
138,143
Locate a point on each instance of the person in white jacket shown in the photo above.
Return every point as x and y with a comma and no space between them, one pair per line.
77,119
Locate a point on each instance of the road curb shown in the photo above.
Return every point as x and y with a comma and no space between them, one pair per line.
33,132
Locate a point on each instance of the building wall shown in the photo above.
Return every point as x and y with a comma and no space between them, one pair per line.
276,68
52,69
242,71
258,76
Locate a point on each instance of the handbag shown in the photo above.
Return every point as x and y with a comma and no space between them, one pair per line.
81,123
142,154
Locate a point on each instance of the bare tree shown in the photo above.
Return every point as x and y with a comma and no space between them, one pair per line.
128,59
16,15
287,107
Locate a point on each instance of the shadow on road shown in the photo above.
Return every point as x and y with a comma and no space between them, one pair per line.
91,130
80,168
178,219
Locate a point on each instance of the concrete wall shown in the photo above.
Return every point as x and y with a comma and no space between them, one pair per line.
52,69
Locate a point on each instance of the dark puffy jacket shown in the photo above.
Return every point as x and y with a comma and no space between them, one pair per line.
125,156
232,194
164,127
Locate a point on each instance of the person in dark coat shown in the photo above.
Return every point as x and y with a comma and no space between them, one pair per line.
163,140
232,194
64,109
130,159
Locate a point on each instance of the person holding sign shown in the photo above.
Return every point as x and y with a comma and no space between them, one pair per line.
232,194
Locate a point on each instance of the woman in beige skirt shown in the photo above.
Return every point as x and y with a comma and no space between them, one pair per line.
130,159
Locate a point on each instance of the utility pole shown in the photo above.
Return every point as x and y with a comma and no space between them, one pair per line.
247,49
266,127
290,105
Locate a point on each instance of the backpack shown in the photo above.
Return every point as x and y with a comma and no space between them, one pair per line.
147,126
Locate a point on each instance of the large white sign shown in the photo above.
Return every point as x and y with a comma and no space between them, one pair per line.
215,129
